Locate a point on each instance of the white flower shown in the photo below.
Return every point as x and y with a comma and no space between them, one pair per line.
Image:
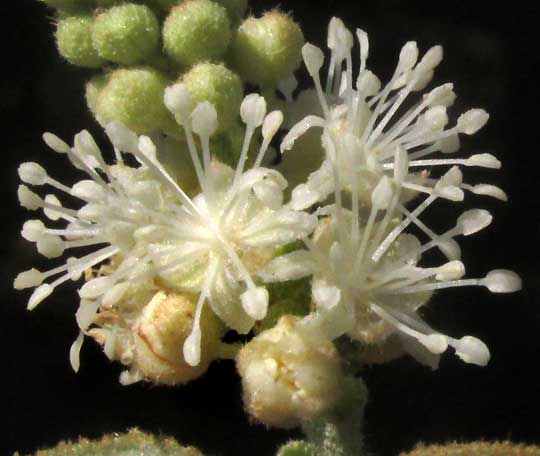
368,281
364,123
148,227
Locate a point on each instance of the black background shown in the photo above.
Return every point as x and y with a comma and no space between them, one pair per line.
490,55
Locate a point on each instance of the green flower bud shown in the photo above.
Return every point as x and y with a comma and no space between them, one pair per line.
134,96
288,377
236,9
74,40
93,89
475,449
133,442
297,448
126,34
267,49
160,334
218,85
196,30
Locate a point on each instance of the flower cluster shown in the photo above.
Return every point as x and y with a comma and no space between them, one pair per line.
367,279
154,236
162,250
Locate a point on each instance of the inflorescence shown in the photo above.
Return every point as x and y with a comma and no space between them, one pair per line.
162,248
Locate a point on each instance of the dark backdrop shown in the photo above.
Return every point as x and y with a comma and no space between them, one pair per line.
490,54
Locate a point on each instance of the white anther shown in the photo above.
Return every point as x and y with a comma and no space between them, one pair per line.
28,199
178,99
472,221
204,121
483,160
55,143
453,270
28,279
253,110
32,173
472,121
121,137
313,58
32,230
472,350
255,302
95,287
502,281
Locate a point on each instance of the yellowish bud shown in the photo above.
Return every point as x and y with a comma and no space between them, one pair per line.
288,377
159,336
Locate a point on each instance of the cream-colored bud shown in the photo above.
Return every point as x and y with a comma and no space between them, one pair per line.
288,377
159,336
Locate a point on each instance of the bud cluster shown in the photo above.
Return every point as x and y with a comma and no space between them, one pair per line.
141,47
